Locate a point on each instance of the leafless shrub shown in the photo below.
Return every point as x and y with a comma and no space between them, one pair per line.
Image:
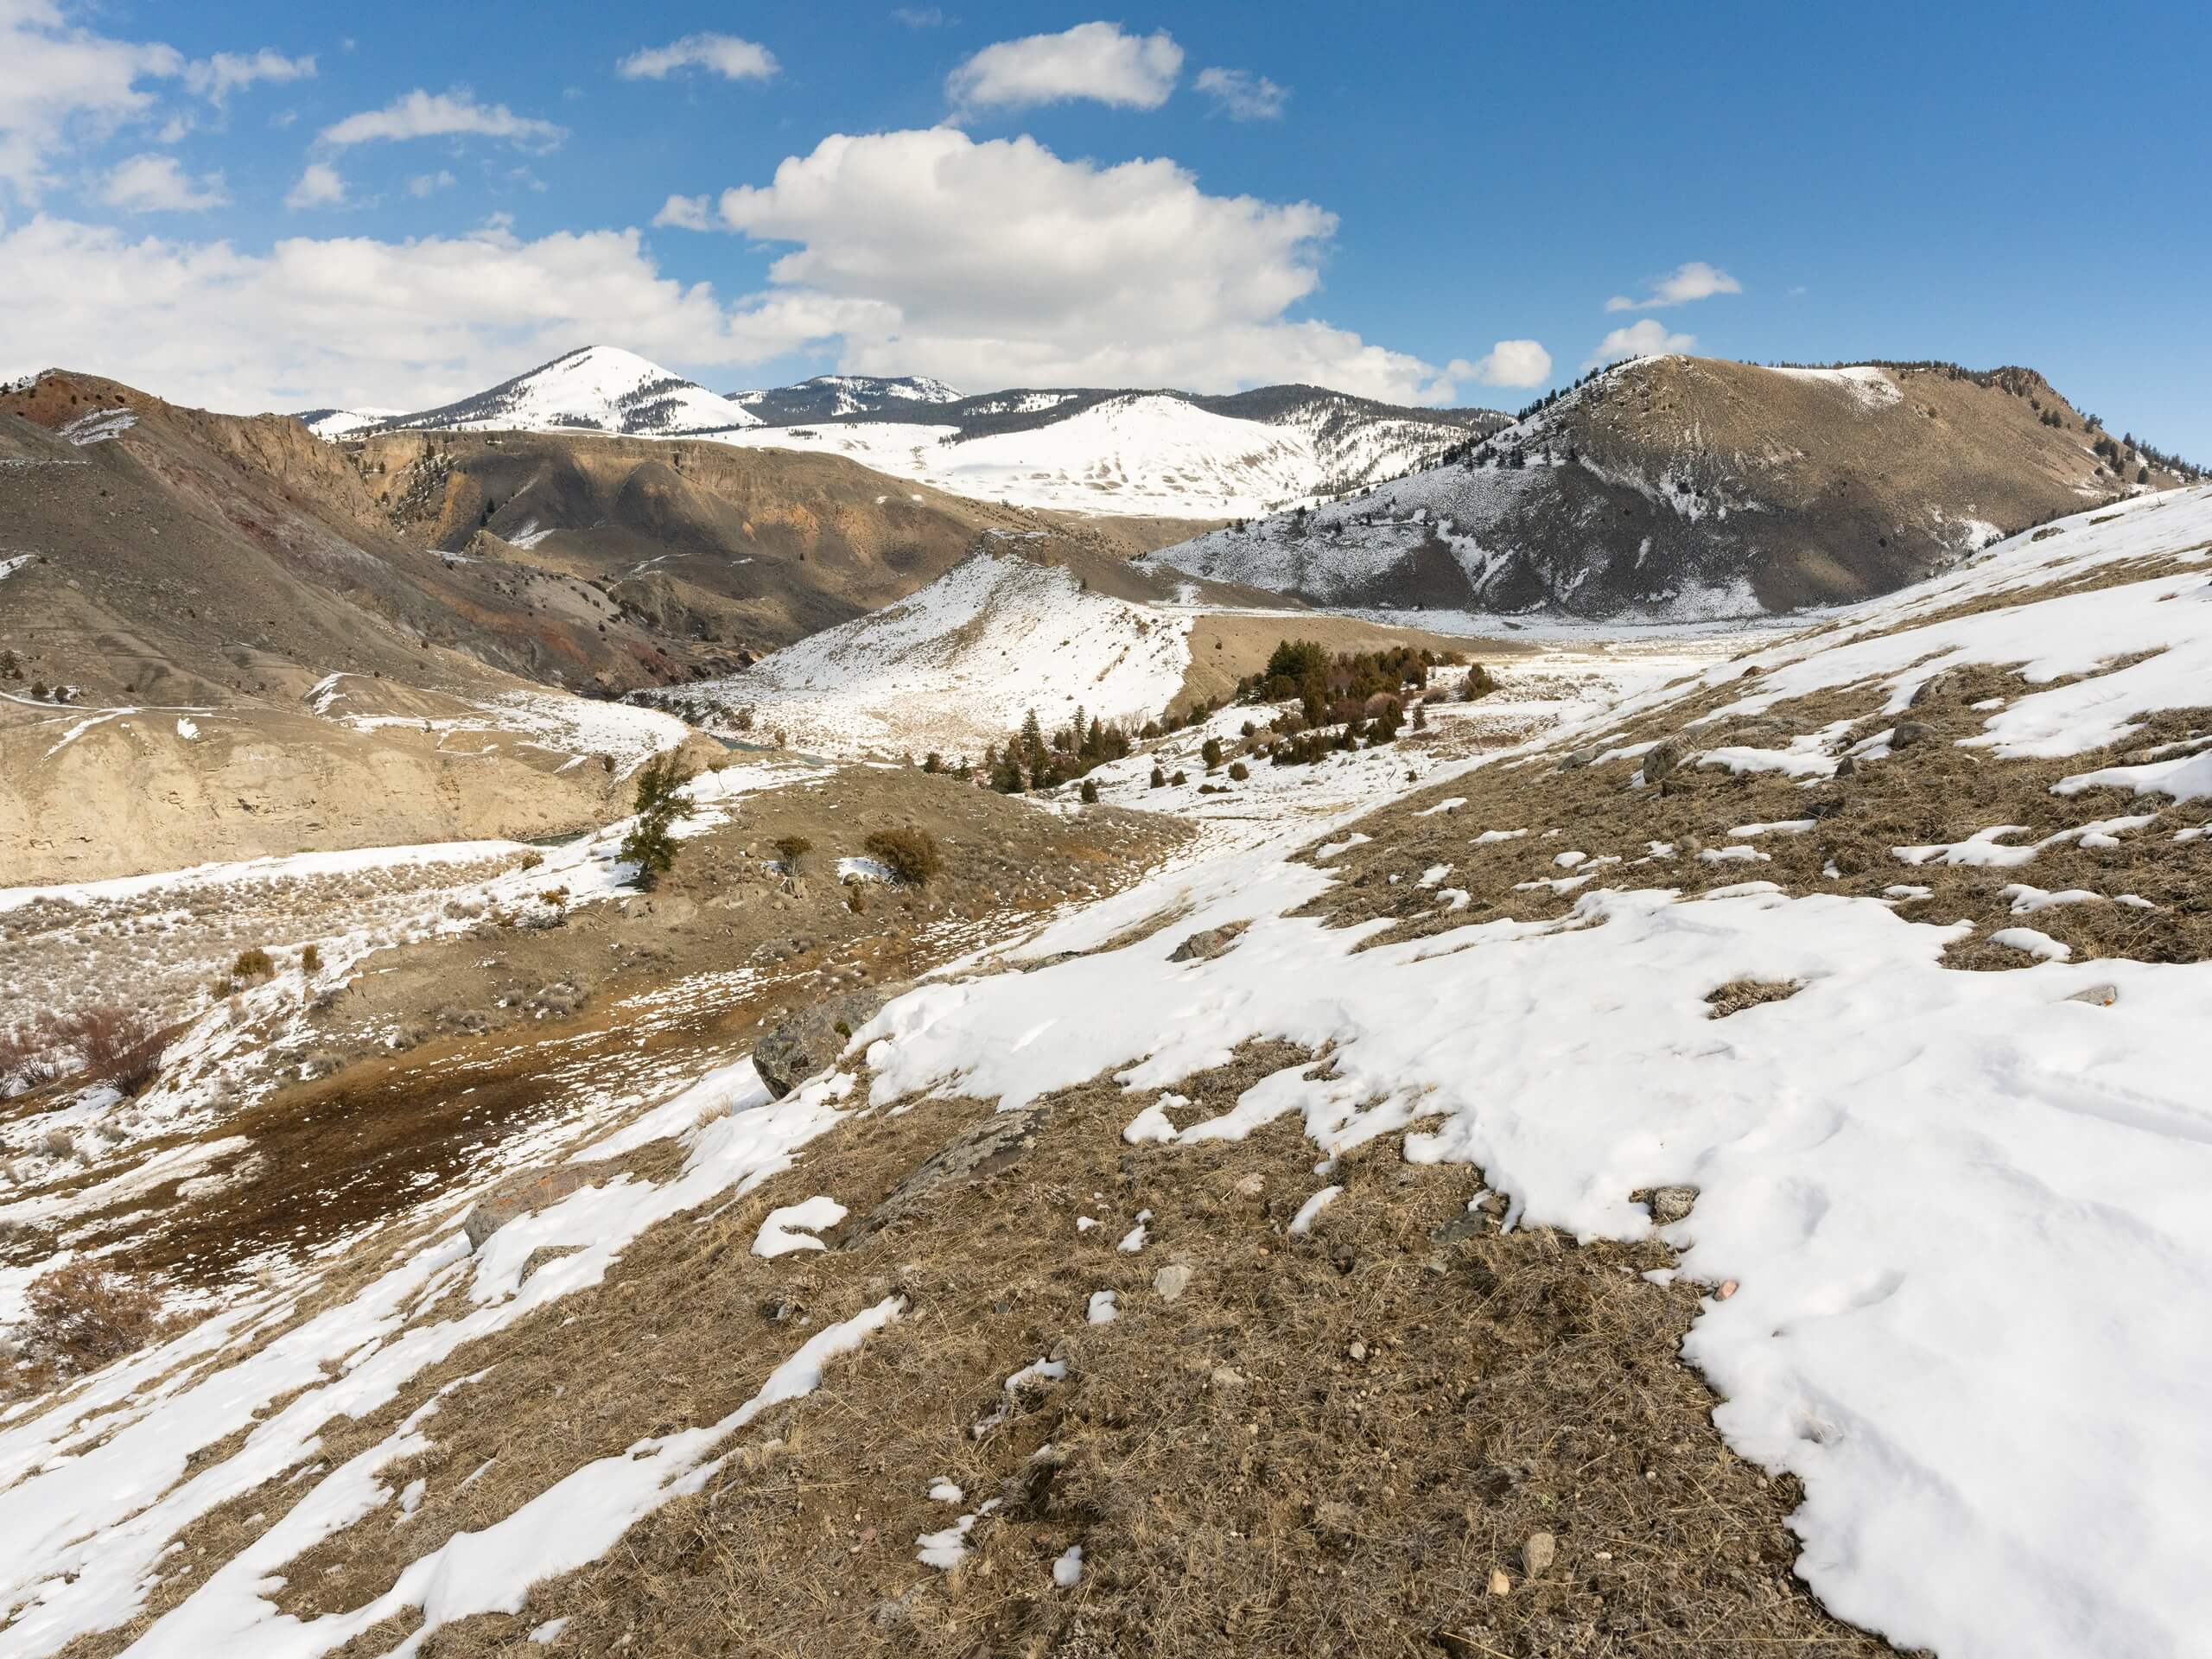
119,1046
82,1316
110,1044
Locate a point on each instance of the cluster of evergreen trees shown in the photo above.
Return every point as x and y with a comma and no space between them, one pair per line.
1348,701
1031,760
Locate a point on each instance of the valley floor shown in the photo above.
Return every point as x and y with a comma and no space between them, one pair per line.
1698,1152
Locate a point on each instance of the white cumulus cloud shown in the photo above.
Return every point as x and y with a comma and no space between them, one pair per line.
57,82
1091,61
158,184
1650,338
216,77
353,320
1242,95
1509,363
319,186
686,213
419,114
996,263
726,55
1695,281
986,265
427,184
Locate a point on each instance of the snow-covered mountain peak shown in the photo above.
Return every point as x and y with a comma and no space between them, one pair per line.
593,389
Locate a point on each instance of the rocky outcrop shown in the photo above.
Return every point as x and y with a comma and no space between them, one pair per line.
528,1190
1209,943
813,1039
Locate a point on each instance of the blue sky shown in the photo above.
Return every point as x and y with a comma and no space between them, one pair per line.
1397,200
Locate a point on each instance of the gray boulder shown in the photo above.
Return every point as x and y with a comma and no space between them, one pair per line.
528,1190
1206,945
813,1039
1660,761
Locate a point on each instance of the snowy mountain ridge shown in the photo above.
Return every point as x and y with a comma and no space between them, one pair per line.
1160,452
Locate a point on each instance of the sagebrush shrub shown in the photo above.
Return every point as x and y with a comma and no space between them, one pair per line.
911,854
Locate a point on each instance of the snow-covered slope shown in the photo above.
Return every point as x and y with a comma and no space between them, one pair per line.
956,665
1146,453
1947,1220
596,389
335,424
1088,450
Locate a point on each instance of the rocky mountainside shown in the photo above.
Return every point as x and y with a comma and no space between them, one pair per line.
1688,488
1088,450
221,638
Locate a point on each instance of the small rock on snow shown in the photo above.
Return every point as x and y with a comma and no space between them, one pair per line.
1206,945
1669,1205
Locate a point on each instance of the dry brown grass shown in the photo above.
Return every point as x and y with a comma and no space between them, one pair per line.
1327,1444
1935,793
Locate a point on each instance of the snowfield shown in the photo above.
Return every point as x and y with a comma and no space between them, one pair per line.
1134,454
1954,1223
956,666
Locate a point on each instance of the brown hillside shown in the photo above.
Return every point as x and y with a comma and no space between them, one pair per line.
1692,487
